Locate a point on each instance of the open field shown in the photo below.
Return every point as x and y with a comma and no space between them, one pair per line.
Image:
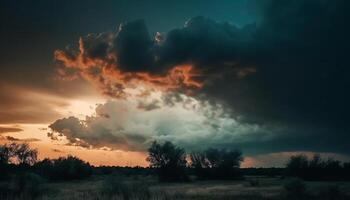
134,187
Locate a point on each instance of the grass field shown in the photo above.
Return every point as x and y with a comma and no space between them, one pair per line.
135,187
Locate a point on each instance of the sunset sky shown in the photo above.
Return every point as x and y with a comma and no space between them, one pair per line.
103,79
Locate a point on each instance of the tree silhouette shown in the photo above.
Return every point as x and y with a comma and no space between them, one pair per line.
297,165
216,164
24,154
5,154
317,168
19,153
168,160
64,168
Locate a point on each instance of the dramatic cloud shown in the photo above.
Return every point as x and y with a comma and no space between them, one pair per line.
300,51
287,71
183,58
282,82
121,124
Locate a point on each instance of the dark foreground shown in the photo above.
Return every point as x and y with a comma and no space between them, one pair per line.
147,187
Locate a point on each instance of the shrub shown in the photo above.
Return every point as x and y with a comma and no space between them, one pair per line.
64,168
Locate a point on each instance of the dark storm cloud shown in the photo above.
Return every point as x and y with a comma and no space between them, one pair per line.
300,52
301,56
201,41
204,42
288,70
133,46
187,57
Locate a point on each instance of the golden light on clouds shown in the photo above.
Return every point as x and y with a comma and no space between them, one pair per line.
54,149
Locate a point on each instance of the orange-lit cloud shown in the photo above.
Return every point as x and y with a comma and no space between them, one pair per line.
129,57
106,75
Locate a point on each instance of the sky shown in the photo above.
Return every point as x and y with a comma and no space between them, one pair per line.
103,79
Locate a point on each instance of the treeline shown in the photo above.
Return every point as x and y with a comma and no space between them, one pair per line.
18,159
170,163
317,168
167,161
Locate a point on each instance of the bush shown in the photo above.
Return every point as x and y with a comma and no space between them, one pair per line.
64,168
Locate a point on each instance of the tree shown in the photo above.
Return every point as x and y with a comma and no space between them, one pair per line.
316,162
168,160
198,160
24,154
19,153
298,165
217,163
317,168
5,154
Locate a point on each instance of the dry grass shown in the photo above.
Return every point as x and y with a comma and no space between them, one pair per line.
147,188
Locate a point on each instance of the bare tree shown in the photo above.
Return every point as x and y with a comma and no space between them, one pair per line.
23,154
217,163
168,160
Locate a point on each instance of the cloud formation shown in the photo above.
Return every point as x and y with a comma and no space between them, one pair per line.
287,71
121,124
183,58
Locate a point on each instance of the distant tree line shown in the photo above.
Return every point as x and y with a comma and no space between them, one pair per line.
20,158
317,168
63,168
170,163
